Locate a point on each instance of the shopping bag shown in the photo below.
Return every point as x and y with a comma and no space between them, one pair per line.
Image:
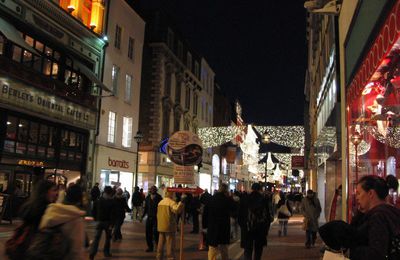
284,210
329,255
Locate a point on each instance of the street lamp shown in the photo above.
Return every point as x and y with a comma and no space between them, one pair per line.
138,138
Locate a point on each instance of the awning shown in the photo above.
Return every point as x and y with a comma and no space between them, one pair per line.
12,34
90,75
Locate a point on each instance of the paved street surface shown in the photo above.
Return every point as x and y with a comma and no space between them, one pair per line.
133,245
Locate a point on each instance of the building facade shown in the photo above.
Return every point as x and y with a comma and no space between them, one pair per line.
51,61
116,149
171,95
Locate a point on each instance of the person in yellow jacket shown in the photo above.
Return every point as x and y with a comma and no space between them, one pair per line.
167,212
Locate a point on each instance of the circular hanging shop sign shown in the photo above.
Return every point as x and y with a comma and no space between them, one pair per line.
185,148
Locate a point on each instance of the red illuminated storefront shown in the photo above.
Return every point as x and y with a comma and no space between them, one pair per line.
373,108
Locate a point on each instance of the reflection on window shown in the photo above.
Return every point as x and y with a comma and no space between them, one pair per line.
33,132
12,128
23,130
44,134
114,78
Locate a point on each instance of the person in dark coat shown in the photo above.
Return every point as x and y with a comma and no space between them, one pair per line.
121,207
95,192
379,226
220,209
103,213
150,209
195,210
254,219
137,203
284,213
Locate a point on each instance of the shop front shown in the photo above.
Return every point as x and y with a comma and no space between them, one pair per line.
205,173
373,108
115,167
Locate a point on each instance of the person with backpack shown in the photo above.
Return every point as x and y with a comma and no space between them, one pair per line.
61,229
284,213
44,193
254,219
220,208
103,212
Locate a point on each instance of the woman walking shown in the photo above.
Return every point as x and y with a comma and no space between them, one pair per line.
284,213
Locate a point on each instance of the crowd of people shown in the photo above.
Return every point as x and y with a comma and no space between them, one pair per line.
53,214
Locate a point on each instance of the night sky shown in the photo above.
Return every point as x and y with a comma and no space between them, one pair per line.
257,49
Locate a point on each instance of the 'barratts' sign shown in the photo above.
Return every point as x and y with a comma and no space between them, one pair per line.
22,96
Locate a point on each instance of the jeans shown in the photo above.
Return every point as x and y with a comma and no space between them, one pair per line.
258,249
167,239
117,229
311,236
283,227
151,232
100,227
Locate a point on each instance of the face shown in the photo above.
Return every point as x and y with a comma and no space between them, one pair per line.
153,190
52,194
363,198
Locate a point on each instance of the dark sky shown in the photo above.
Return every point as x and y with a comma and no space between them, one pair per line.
257,49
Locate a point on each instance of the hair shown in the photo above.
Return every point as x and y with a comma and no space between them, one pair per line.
74,194
376,183
223,188
108,190
392,182
310,192
256,186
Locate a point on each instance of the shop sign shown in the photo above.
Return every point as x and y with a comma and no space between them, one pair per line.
185,148
17,94
118,163
183,174
297,161
31,163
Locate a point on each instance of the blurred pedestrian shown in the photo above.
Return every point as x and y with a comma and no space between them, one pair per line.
284,213
120,208
378,230
220,209
44,192
254,220
275,200
195,211
103,212
68,216
311,210
137,204
150,209
167,212
126,195
95,192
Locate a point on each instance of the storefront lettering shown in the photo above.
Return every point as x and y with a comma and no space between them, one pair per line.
35,100
117,163
31,163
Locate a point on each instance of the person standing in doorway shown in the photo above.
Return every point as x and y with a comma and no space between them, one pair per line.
150,209
137,204
311,209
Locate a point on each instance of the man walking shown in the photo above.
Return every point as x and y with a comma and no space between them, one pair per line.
167,213
150,209
254,220
311,209
103,213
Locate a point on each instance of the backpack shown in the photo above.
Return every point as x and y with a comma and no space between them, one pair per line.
17,245
257,216
49,244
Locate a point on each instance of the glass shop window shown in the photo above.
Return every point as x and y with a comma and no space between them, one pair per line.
47,67
39,46
12,128
33,132
27,58
4,176
23,130
44,135
72,139
17,52
64,138
37,63
52,136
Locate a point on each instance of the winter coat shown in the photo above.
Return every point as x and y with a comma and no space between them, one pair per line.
150,206
120,208
103,209
95,193
220,208
137,199
167,212
254,200
73,226
311,209
375,230
281,216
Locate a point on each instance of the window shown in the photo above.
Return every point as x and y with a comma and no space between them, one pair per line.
131,48
189,61
196,69
128,88
180,50
195,101
187,98
127,132
111,127
114,78
170,39
118,34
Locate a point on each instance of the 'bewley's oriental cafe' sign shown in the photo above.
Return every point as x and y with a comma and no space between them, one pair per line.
16,94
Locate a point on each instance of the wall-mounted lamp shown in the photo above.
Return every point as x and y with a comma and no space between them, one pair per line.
92,27
71,8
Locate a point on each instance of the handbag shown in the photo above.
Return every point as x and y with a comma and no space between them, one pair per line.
17,245
329,255
284,210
